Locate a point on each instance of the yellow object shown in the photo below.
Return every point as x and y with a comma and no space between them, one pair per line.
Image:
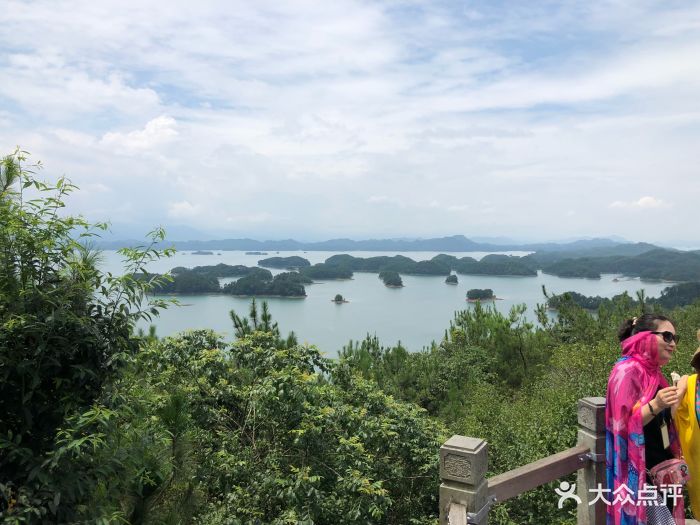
689,436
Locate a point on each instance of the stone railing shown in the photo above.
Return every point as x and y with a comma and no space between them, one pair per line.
466,495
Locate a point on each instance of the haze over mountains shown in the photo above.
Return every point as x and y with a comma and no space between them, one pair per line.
456,243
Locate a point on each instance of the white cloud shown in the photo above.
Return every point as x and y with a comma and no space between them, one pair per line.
48,84
341,116
643,203
156,132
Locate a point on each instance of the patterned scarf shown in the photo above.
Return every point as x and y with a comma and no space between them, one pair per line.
633,382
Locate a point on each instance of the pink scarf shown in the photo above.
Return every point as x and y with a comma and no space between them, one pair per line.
633,382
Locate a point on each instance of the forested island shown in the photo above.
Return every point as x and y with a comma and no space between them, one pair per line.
221,270
253,281
656,264
441,264
634,260
284,263
477,294
682,294
391,279
288,284
325,271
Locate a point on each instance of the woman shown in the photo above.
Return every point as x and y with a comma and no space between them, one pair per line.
639,429
687,418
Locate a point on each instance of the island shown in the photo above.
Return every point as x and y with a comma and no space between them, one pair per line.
494,264
397,263
284,263
451,279
339,299
656,264
478,294
391,279
325,271
202,252
282,285
253,282
185,283
256,253
223,270
681,294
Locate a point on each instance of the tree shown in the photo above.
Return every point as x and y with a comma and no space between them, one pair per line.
65,331
247,326
479,294
282,436
391,278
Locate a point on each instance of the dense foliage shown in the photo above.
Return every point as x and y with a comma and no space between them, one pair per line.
326,271
186,282
391,278
252,433
205,279
439,265
288,284
476,294
223,270
671,265
494,264
284,263
64,336
681,294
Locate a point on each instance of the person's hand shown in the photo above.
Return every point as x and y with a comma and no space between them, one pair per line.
666,397
682,386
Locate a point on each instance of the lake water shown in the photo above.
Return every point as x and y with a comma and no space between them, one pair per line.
415,315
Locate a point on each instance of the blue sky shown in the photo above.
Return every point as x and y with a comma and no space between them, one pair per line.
312,120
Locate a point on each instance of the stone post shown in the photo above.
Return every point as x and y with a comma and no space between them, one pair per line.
463,462
591,433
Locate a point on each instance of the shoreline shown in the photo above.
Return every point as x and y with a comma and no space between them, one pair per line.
191,294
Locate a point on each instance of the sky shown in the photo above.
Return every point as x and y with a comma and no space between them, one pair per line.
316,120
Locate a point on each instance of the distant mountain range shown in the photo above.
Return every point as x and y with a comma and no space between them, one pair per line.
455,243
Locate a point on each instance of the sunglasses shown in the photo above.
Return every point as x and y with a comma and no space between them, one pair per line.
668,336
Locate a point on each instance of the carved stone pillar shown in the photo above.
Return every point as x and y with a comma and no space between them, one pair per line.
591,433
463,463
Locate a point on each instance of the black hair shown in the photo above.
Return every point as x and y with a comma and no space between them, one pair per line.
646,322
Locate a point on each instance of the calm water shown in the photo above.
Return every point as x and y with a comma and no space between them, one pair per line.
415,315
